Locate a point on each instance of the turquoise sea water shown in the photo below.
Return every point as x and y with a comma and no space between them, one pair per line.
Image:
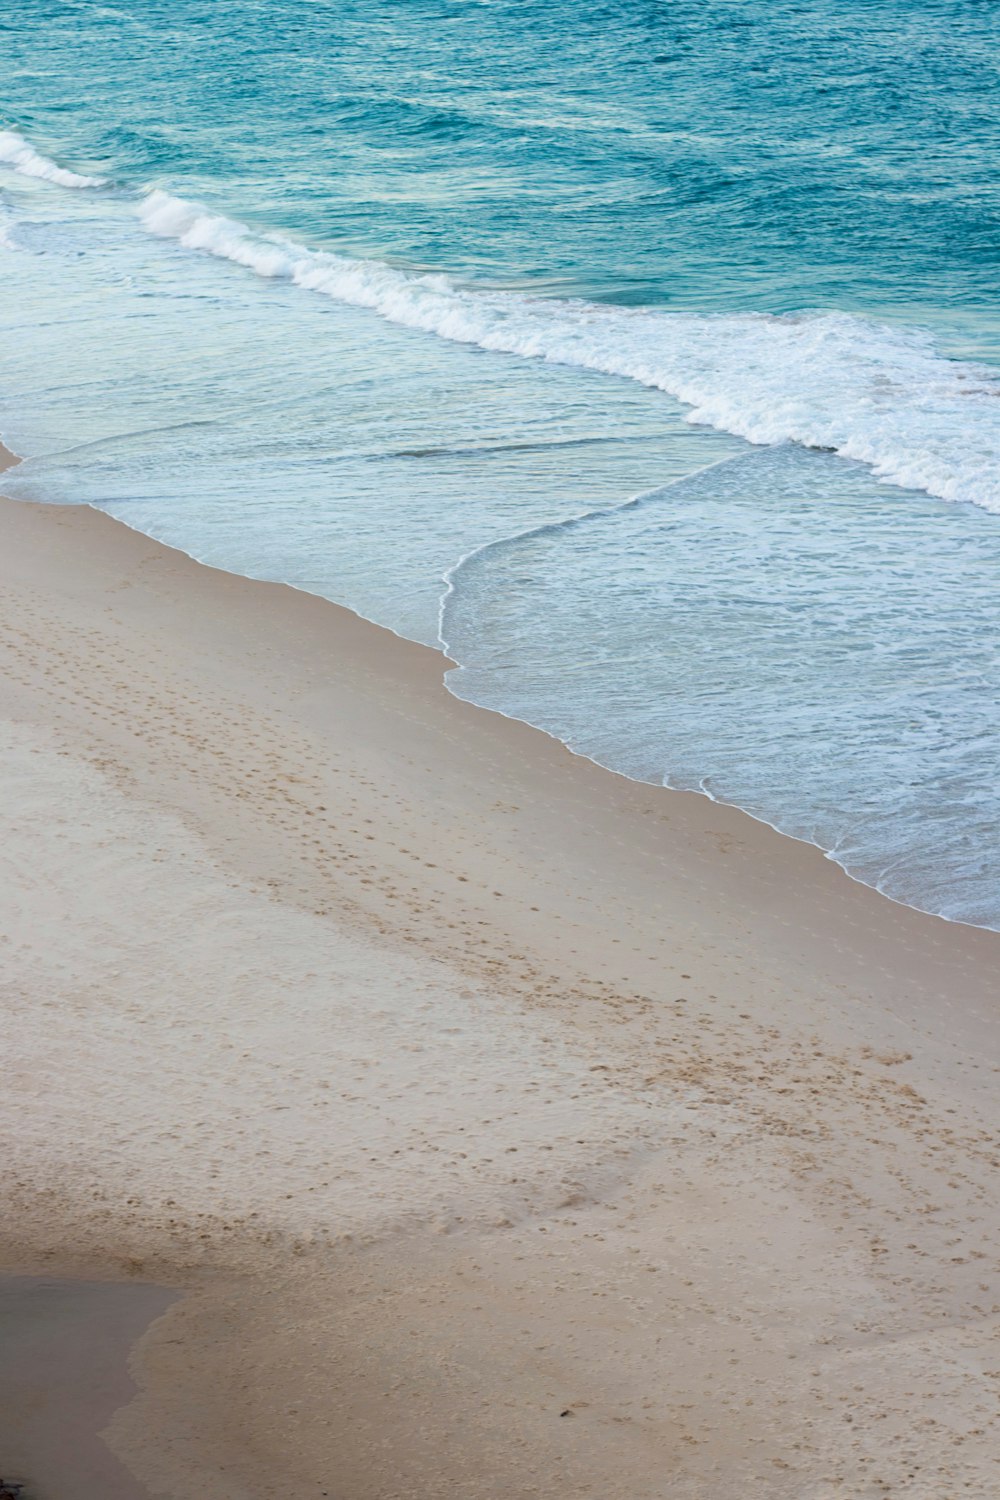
405,305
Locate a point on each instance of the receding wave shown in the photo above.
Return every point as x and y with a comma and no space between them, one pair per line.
765,632
829,380
19,154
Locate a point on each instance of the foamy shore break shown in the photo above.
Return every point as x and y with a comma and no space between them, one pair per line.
509,1128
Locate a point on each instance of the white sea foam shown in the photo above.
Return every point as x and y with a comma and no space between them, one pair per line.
7,240
197,229
865,390
17,153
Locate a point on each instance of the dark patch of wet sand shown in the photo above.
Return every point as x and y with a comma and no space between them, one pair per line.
64,1372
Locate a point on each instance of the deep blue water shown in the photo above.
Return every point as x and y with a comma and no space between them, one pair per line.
361,297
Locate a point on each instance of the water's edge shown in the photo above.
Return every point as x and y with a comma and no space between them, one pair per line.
452,669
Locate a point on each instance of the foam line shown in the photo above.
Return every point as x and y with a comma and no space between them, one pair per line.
17,153
868,391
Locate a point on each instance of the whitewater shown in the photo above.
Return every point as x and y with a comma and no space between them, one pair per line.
831,381
21,155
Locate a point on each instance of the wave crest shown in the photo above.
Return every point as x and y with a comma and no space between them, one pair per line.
17,153
864,390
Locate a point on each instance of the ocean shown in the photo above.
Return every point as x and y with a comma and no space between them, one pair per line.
645,356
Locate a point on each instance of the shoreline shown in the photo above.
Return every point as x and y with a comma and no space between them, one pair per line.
735,807
450,666
380,1013
64,1374
435,659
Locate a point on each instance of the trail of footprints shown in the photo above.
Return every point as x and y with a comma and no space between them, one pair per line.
242,756
755,1083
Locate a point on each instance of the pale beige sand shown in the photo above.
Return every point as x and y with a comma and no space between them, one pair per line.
517,1130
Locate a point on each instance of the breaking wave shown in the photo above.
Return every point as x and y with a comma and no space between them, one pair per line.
865,390
17,153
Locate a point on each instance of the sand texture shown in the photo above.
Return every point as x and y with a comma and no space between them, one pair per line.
512,1129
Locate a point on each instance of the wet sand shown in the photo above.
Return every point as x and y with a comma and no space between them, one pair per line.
511,1128
64,1356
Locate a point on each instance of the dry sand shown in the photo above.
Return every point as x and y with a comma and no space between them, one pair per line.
513,1129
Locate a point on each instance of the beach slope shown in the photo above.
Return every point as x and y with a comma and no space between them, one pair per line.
510,1128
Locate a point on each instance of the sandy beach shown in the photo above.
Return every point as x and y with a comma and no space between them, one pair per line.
505,1128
